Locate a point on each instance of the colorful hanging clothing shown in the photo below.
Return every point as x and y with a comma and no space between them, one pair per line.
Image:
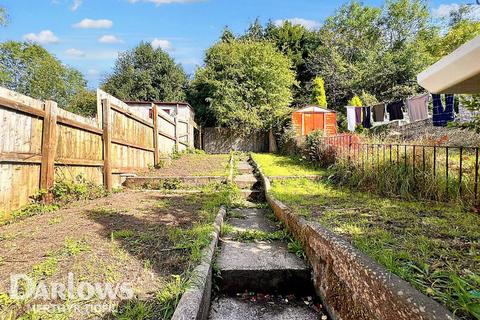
367,115
358,115
418,108
351,118
442,116
379,112
395,110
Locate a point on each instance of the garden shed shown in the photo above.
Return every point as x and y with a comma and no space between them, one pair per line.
313,118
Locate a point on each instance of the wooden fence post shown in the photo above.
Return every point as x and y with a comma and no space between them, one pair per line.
176,134
107,144
156,155
49,150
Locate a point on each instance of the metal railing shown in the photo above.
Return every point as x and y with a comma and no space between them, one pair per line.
451,168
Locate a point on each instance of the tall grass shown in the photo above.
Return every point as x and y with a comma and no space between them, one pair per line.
408,171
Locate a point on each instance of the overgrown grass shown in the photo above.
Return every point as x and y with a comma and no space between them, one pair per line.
435,247
278,165
409,174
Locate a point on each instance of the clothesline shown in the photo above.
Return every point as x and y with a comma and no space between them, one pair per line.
416,107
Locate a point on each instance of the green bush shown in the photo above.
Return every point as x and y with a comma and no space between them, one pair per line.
319,152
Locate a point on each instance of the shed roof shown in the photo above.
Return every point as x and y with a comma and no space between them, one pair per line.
459,72
313,108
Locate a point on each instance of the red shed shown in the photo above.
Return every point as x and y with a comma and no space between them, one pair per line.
313,118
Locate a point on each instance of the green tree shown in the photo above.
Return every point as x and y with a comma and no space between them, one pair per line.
84,103
227,35
146,74
30,69
245,85
297,43
355,102
319,92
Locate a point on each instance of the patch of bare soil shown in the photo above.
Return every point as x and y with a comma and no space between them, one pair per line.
195,165
122,238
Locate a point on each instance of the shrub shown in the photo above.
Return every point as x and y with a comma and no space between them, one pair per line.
355,102
319,152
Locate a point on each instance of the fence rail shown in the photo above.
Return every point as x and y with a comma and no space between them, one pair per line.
446,172
40,142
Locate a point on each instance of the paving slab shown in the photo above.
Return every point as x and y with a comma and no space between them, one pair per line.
233,308
246,181
244,167
251,219
261,267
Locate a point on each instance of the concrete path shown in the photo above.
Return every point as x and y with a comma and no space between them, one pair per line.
256,273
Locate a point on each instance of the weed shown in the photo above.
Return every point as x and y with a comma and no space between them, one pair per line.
163,203
74,247
295,246
122,234
136,309
46,268
170,295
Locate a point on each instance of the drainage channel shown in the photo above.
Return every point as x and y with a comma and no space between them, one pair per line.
256,275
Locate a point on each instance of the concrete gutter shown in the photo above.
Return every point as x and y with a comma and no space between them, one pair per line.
195,302
352,285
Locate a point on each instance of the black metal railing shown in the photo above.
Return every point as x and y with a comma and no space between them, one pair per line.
436,172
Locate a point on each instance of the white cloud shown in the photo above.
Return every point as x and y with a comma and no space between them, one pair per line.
44,37
309,24
108,38
75,5
94,24
75,53
93,72
163,44
160,2
444,10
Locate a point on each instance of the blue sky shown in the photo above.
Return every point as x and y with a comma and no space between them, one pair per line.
89,34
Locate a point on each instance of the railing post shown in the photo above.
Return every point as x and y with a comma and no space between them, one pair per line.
156,153
107,144
49,150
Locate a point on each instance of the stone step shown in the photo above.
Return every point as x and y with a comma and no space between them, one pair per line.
252,195
235,308
251,219
246,181
244,167
265,267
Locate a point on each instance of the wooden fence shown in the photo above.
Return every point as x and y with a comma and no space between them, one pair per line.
40,143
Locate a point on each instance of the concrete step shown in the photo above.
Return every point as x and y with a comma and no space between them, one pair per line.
246,181
235,308
251,219
244,167
265,267
252,195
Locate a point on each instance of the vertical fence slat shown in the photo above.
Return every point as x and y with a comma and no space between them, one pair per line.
107,144
49,149
156,154
476,174
460,173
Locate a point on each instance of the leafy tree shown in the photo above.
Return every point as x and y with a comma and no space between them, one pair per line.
146,74
84,102
319,92
227,35
297,43
255,31
30,69
472,103
244,85
355,102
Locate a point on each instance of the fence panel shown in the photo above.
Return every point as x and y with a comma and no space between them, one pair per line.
40,143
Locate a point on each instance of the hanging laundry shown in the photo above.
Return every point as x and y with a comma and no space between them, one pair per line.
358,113
418,108
367,116
379,112
351,118
395,110
442,116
